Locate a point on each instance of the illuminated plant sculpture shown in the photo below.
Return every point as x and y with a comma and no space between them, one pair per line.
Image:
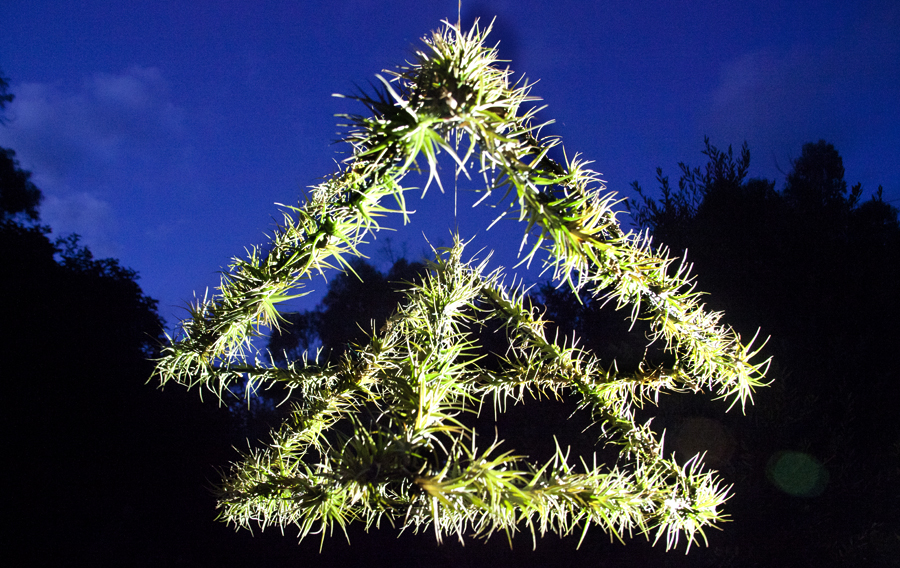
381,435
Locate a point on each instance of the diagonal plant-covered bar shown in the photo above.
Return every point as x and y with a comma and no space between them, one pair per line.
382,434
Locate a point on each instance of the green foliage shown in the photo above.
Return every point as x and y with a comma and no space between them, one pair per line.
382,434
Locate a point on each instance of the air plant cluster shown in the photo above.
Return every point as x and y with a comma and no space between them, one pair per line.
382,434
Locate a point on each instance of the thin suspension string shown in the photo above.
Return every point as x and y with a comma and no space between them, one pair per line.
456,172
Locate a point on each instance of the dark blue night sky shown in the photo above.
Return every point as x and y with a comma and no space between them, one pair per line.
165,132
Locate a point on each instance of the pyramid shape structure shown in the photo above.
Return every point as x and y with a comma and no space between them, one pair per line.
381,434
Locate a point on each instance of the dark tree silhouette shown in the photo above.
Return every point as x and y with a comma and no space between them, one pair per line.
101,469
5,96
357,302
17,194
818,270
817,180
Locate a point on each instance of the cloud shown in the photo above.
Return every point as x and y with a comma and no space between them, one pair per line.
89,145
764,94
843,90
90,217
61,132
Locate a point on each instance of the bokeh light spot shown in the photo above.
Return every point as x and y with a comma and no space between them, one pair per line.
698,435
797,473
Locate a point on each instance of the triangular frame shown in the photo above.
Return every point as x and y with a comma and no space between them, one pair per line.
410,461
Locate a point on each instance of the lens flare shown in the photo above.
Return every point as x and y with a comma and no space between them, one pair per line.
797,473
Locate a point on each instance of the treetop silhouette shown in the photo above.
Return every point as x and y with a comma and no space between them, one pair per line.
381,434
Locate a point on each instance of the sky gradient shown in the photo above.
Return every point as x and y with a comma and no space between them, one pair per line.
165,132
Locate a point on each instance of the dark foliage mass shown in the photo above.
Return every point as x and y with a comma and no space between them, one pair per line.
5,96
92,453
818,270
357,303
18,196
100,469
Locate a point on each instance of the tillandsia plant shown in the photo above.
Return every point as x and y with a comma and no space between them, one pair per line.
381,434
